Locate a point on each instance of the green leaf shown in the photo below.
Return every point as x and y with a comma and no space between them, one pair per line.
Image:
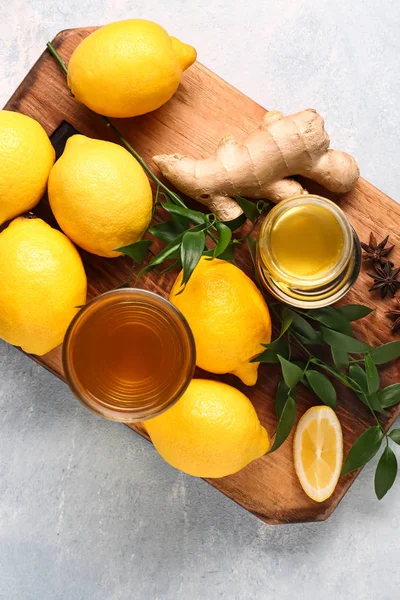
270,354
168,231
249,208
363,449
359,375
354,312
194,216
229,252
303,327
390,395
292,374
137,251
169,251
332,318
321,386
385,353
340,358
286,321
191,251
174,267
282,393
285,424
395,436
373,402
385,473
236,223
166,253
372,375
224,237
343,342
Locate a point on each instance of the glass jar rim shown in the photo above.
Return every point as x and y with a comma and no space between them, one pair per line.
264,238
123,414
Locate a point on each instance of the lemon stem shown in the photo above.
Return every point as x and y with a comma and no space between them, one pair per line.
58,58
145,166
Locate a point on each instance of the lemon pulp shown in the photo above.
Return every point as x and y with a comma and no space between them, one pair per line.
318,452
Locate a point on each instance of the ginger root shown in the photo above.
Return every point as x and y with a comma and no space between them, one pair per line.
258,167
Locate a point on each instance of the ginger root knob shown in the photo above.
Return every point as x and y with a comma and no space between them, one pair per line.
260,165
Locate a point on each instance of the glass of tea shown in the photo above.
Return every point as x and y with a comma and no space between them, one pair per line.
129,355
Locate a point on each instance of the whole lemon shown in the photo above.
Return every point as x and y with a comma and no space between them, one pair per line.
100,195
26,157
43,283
228,316
212,431
128,68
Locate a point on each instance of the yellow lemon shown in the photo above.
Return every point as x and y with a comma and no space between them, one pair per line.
228,316
100,195
26,157
318,452
212,431
128,68
43,282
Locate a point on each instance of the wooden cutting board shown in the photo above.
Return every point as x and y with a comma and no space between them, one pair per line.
203,110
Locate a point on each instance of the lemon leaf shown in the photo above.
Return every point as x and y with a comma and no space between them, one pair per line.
292,374
249,208
390,395
363,449
303,327
191,251
285,425
225,235
395,435
340,358
344,342
272,350
385,353
372,375
236,223
137,251
282,392
354,312
333,319
385,473
168,231
287,318
194,216
321,386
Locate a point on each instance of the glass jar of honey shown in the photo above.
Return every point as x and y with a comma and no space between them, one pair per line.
308,254
129,355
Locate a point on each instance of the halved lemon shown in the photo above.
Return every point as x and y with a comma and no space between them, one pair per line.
318,452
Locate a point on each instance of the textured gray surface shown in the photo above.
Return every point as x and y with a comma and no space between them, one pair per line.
87,508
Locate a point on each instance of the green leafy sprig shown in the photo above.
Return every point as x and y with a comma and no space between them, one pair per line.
188,234
354,364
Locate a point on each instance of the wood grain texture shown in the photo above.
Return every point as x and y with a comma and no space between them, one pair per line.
203,110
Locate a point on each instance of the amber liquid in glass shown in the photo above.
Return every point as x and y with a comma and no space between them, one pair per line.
129,355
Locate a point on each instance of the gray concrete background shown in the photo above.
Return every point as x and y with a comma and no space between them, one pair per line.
88,510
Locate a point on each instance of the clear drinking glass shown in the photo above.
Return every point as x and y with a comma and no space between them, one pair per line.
129,355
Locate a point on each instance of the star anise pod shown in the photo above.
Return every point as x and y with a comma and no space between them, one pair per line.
385,280
395,314
376,253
